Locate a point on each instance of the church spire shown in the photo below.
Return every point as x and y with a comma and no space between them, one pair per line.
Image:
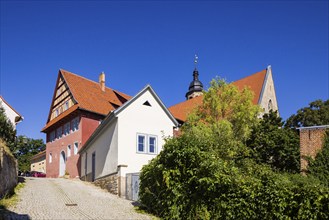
196,87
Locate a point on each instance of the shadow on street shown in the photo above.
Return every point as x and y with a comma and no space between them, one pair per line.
6,214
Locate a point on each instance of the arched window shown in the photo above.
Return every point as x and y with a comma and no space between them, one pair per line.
50,157
270,105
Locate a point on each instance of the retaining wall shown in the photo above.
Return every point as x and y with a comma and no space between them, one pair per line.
8,172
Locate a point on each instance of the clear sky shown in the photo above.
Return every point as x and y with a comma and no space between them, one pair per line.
153,42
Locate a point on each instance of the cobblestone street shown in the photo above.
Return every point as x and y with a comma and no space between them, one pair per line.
44,198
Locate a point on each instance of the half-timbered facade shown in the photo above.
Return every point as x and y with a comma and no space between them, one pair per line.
77,108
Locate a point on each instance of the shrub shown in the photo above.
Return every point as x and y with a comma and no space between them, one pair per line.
188,182
319,167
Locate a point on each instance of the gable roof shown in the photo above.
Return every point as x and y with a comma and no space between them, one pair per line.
88,96
116,112
19,116
38,155
150,89
254,82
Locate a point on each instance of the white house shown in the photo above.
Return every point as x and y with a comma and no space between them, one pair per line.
128,138
10,112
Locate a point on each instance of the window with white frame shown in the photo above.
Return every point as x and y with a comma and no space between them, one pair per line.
152,145
141,142
75,124
67,128
50,157
68,150
147,144
76,145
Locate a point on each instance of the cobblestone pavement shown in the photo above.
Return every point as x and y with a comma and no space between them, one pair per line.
44,198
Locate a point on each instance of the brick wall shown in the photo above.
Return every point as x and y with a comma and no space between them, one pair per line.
8,172
311,142
87,125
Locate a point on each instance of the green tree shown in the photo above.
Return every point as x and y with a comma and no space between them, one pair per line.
25,149
7,131
206,172
319,167
226,117
317,113
184,180
274,145
22,148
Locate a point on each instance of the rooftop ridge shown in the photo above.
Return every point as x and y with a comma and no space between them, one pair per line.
95,82
246,77
81,77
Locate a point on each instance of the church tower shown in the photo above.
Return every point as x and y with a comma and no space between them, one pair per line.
195,89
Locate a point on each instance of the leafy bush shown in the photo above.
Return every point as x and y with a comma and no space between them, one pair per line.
274,145
207,172
186,181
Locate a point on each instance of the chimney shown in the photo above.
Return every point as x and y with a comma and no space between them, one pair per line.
102,81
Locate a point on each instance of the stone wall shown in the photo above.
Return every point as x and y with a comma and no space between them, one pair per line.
311,142
110,183
8,172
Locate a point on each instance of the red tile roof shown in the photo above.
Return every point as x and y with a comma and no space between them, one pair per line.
41,154
254,82
89,97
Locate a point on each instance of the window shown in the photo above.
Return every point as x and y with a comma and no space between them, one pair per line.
68,150
75,124
76,145
67,128
66,105
146,144
86,159
59,133
270,105
147,103
52,136
50,158
141,143
56,112
152,145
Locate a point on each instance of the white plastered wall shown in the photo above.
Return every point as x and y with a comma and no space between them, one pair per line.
10,113
268,93
141,119
105,147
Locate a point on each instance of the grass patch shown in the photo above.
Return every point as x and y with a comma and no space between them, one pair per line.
11,199
4,146
140,210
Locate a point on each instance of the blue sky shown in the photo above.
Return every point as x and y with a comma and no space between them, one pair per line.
153,42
